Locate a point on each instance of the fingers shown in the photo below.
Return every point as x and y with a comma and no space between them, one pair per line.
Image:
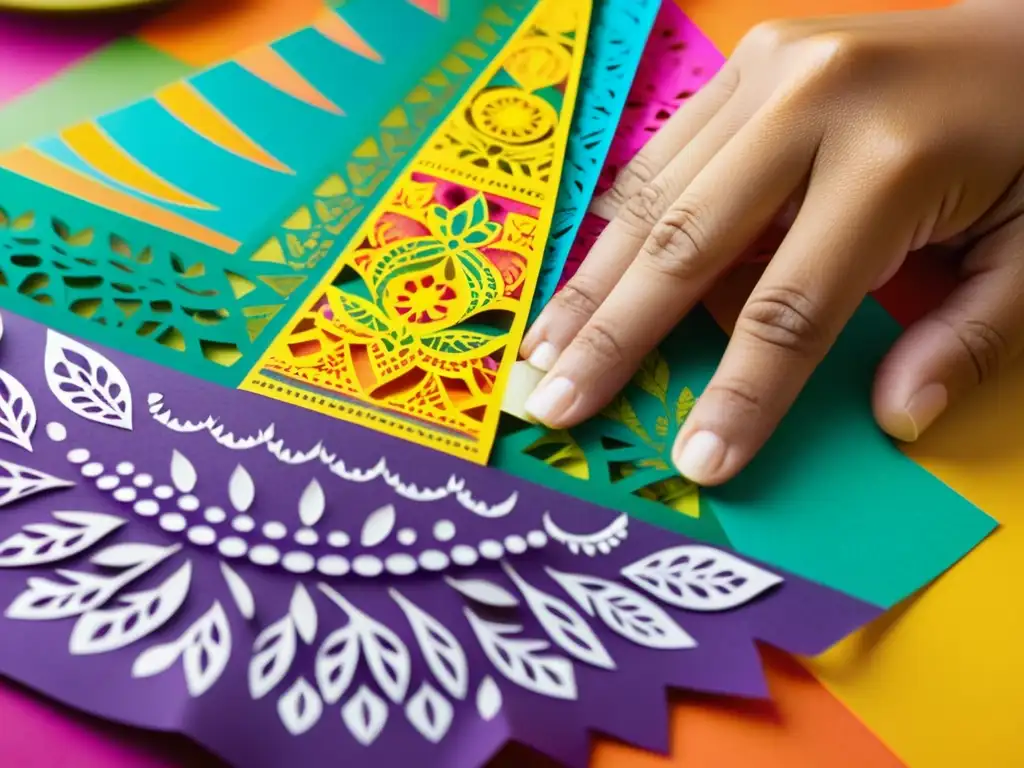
822,271
976,331
714,220
619,244
677,132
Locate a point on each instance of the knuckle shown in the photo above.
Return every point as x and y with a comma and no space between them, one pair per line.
599,342
678,243
785,318
984,345
577,299
767,37
642,210
637,174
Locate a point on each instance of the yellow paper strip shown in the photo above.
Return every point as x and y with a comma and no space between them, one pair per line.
415,329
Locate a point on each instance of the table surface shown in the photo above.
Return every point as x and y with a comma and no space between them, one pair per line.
918,679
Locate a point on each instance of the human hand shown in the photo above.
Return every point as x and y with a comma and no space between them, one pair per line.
872,137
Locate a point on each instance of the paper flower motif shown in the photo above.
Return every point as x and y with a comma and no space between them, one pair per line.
352,596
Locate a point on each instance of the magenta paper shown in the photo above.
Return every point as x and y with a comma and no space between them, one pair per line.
676,63
287,589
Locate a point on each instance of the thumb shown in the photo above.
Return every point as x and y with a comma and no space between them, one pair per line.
976,331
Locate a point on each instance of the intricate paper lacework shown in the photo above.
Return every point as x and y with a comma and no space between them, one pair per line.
412,331
180,302
617,36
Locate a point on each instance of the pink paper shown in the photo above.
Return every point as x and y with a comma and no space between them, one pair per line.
35,48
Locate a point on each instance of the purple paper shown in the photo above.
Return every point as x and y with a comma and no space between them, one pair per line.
287,589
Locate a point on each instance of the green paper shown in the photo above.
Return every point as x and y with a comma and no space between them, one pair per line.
829,498
126,70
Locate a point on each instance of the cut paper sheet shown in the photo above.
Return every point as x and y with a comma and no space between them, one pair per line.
413,329
371,184
618,33
290,590
677,61
803,504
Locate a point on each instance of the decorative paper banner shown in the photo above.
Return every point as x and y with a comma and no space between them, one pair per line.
414,328
618,32
288,590
264,167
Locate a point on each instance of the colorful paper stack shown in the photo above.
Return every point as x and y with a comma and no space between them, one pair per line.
257,487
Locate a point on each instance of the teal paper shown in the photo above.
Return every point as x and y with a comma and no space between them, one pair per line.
618,33
829,498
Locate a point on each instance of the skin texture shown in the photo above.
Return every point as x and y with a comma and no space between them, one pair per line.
862,138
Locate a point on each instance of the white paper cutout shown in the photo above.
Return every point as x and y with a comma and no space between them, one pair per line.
300,707
273,654
521,661
430,713
183,474
240,591
294,458
488,699
17,412
139,615
590,544
440,648
50,543
312,504
563,624
378,526
625,612
337,661
365,716
490,511
204,648
18,482
384,651
483,592
229,440
241,489
699,578
1,326
87,383
303,613
44,599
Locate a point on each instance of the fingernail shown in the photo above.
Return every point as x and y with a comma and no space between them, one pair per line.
700,456
922,409
551,399
544,356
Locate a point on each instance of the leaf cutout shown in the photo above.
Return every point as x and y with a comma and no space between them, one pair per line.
430,713
240,591
300,707
87,383
378,526
684,405
156,660
385,653
625,612
18,482
699,578
488,699
483,592
653,376
312,503
303,613
241,489
139,615
622,411
563,624
274,652
207,650
365,716
183,474
127,555
42,543
17,412
337,661
442,650
520,659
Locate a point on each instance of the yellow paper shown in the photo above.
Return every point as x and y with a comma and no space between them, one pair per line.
941,679
414,330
